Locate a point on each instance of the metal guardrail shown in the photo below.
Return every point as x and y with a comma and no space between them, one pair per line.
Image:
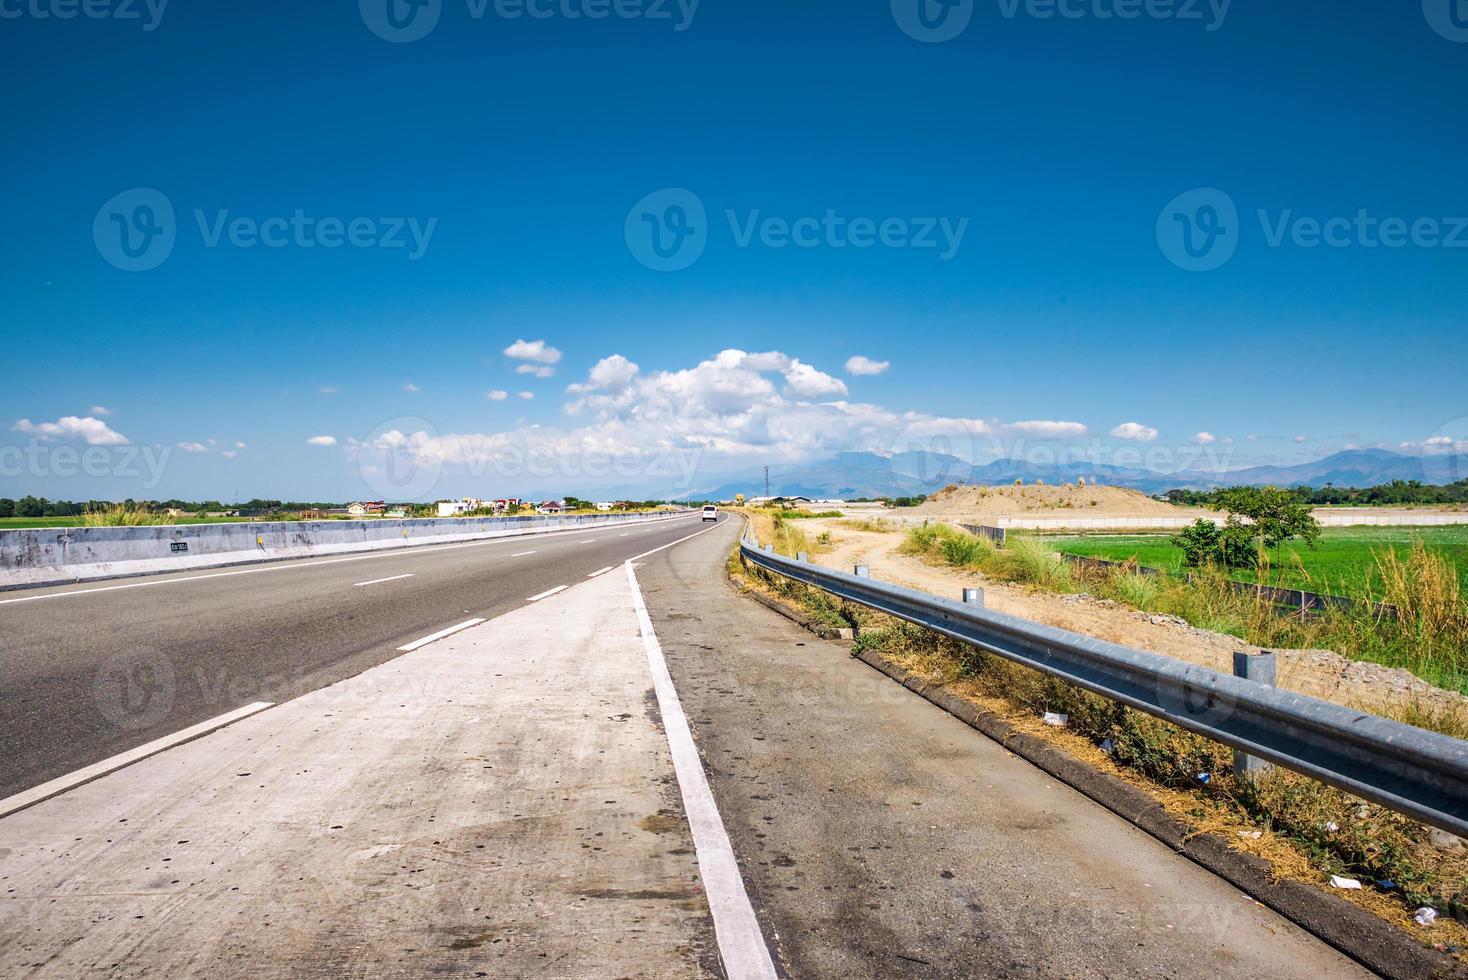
1410,770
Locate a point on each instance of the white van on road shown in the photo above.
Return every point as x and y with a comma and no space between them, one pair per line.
711,513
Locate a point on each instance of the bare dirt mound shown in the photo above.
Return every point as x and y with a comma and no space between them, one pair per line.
1043,499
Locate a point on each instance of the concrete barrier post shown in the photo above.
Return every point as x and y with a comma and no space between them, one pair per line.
973,597
802,556
1255,667
862,571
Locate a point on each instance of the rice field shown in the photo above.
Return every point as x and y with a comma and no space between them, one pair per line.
1343,562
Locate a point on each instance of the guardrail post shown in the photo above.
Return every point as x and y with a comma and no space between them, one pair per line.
770,548
1254,667
862,571
973,597
802,556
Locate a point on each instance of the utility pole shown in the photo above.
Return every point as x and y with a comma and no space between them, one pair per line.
767,481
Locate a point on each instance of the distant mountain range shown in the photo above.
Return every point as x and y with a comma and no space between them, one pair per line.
848,475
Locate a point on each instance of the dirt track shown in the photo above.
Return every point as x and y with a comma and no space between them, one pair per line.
1319,673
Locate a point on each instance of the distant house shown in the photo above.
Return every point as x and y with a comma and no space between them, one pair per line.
605,504
507,504
366,508
464,505
397,512
549,507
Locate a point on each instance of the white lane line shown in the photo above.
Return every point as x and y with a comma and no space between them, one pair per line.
624,534
97,770
379,581
741,945
286,565
589,541
671,543
548,593
601,571
410,647
522,554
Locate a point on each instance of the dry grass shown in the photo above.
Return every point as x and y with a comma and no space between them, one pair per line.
1429,637
125,515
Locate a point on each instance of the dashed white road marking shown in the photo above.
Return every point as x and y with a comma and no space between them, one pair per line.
741,945
379,581
547,593
522,554
97,770
589,541
601,571
410,647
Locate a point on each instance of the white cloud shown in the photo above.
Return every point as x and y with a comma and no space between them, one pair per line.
539,370
99,411
240,445
611,374
1302,438
732,408
537,351
411,388
1041,429
1204,438
865,365
321,441
329,390
93,431
193,447
804,381
526,395
1135,431
1252,437
496,395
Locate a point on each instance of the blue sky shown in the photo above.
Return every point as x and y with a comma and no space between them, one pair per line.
520,148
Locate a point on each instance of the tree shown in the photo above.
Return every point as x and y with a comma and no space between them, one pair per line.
1259,519
7,507
30,507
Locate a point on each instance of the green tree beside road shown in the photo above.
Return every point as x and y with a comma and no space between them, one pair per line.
1259,520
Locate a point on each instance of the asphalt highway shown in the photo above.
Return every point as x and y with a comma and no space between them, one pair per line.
89,671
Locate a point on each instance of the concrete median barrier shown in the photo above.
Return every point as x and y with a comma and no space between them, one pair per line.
54,556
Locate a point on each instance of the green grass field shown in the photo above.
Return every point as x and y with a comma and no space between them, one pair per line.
1340,564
